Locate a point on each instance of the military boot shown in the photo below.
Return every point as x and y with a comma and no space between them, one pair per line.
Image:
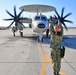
57,73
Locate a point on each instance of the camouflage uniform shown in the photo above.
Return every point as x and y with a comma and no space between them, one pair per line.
13,30
55,52
51,30
21,30
56,41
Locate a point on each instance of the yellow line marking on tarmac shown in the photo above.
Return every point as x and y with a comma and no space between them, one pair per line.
45,59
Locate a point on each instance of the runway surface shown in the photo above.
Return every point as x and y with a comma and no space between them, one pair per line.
25,56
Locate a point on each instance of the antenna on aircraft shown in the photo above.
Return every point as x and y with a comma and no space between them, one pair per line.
37,8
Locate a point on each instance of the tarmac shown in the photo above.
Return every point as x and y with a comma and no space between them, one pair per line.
25,56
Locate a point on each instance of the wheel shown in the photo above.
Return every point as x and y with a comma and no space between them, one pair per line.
38,39
42,40
30,26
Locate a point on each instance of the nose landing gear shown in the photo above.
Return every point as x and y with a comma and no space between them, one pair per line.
40,39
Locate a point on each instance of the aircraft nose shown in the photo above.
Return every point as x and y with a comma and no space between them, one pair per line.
41,25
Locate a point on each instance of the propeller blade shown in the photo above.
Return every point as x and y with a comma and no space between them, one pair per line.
68,21
21,24
15,11
8,19
57,14
62,12
20,13
67,15
9,13
10,25
15,18
62,19
65,26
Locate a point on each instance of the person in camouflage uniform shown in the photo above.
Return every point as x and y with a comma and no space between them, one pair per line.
21,30
56,40
14,30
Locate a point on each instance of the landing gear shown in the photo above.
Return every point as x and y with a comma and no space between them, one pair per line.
40,40
30,26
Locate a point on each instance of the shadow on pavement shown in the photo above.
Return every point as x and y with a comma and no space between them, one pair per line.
70,41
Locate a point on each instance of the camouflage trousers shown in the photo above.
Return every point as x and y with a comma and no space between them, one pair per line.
56,59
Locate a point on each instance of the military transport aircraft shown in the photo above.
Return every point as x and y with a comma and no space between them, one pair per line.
39,23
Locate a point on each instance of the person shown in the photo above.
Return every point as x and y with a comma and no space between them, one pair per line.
53,22
56,32
47,32
14,30
21,31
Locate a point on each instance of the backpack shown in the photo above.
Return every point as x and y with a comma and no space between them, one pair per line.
62,52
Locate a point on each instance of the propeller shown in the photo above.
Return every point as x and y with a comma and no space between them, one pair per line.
15,18
63,18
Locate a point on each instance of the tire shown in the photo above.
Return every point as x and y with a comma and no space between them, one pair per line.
40,40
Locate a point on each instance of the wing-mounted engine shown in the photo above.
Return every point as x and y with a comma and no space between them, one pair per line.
15,18
63,18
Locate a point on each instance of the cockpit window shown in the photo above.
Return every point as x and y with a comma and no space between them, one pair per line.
43,18
40,18
37,18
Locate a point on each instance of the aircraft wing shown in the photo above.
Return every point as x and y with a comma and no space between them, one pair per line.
26,20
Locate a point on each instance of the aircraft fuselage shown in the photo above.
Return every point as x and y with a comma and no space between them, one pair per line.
39,23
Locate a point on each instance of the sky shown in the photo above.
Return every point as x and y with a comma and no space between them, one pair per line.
69,5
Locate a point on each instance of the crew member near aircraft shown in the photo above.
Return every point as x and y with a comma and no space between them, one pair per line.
21,30
53,22
14,30
56,32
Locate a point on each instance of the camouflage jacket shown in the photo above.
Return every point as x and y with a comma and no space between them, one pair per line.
56,40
